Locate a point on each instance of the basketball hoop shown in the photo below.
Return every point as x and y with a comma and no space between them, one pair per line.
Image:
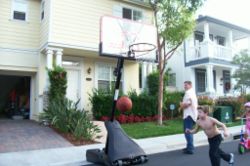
142,52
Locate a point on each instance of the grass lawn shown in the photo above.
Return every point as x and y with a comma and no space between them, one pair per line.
151,129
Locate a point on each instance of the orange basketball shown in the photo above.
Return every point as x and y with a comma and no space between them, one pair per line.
124,103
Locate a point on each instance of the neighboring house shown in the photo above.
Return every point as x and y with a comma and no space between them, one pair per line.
35,34
205,58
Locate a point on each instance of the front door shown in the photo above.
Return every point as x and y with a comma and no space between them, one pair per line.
73,84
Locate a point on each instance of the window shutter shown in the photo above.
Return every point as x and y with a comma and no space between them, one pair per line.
117,11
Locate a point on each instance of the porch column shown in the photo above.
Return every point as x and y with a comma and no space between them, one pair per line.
59,54
206,32
230,38
49,58
210,82
49,65
144,75
149,68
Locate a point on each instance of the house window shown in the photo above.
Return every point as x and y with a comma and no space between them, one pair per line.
171,80
42,10
19,10
226,81
200,76
220,40
198,36
106,78
131,14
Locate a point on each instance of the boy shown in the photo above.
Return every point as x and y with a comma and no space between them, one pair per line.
209,125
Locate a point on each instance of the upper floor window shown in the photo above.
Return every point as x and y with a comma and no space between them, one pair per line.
220,40
42,10
131,14
19,10
199,36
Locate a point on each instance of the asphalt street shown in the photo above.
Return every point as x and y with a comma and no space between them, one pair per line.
199,158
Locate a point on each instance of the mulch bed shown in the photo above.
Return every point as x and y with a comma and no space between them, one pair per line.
70,137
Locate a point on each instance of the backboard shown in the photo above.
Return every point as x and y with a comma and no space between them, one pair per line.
129,39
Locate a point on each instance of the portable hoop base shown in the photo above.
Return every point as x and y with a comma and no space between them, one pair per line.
122,151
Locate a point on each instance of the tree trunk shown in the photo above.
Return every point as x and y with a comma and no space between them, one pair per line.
160,91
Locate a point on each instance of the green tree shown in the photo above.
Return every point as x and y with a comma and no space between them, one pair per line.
174,21
242,74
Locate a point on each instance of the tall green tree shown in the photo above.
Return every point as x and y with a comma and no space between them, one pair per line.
174,21
242,74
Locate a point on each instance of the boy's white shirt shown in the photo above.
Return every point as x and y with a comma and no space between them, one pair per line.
190,97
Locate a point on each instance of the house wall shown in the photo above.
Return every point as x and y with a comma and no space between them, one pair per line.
19,40
19,43
131,76
72,24
19,34
177,65
45,23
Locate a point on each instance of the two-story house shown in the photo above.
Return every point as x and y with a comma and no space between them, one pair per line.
206,56
36,34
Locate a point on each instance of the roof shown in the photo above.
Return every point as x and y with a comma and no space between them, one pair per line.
223,23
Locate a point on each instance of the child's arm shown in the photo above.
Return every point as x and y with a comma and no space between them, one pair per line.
222,125
193,131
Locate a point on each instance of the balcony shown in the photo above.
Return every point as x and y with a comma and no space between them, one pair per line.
209,50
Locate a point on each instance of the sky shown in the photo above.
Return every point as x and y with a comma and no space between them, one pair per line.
232,11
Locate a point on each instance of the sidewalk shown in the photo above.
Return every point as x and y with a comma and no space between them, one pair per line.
76,156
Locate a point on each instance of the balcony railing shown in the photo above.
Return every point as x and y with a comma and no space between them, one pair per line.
209,50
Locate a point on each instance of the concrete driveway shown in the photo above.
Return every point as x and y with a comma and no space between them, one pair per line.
23,135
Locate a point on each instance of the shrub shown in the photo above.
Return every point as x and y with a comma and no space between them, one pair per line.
205,100
58,83
66,117
153,82
102,104
143,104
247,97
172,98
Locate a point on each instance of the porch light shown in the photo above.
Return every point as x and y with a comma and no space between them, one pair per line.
89,70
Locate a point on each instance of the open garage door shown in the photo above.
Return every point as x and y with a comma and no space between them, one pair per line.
14,97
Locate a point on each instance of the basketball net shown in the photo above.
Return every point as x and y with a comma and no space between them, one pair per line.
132,45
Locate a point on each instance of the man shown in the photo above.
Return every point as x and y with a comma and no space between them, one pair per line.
190,114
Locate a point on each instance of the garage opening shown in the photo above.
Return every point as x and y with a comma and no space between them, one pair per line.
14,97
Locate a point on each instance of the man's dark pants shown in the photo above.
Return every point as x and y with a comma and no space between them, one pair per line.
188,124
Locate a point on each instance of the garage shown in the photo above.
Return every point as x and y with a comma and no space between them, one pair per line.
14,97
